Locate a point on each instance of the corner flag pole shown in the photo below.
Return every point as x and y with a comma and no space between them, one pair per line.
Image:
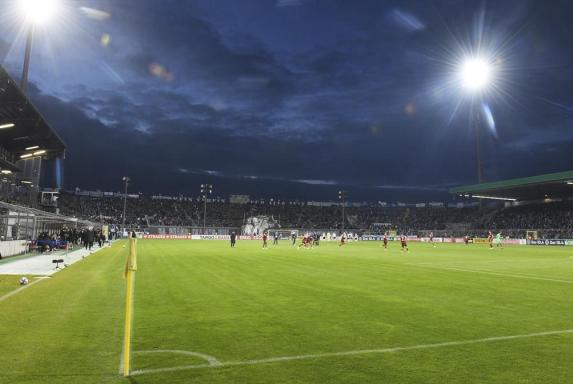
129,274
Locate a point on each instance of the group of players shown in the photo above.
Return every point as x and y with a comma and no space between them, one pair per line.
311,239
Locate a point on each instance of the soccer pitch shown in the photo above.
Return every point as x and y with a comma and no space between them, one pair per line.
206,313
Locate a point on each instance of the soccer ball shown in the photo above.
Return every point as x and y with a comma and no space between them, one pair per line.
23,280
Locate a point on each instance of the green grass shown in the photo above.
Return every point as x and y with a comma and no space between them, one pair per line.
8,283
248,304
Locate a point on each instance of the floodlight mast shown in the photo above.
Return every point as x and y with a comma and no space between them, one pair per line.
475,76
26,68
34,12
342,197
476,122
206,189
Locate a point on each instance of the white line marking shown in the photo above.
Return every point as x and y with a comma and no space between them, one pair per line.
10,294
213,362
121,359
351,353
517,276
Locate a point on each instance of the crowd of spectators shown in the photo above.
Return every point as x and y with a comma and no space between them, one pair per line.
552,220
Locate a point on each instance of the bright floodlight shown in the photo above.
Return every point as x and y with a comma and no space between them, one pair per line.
38,11
475,74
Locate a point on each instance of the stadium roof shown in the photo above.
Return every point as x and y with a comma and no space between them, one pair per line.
14,209
26,127
551,185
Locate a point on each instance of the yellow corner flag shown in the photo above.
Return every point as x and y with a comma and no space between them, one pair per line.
129,273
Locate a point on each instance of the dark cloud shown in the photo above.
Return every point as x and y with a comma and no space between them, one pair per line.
276,97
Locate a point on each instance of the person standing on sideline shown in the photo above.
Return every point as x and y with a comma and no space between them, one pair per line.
276,238
90,239
233,239
85,239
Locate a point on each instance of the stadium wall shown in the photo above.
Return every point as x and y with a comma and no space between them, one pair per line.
12,248
450,240
363,238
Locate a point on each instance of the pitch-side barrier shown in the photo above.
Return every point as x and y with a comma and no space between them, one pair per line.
451,240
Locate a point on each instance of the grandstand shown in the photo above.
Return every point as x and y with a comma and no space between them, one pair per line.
27,145
26,142
183,215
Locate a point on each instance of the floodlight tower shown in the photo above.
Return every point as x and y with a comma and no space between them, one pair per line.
126,181
475,76
35,13
206,190
342,197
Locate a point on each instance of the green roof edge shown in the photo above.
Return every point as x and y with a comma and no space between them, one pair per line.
522,181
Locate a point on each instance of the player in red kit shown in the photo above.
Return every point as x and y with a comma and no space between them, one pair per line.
466,240
404,243
265,239
432,239
490,239
342,239
385,241
305,241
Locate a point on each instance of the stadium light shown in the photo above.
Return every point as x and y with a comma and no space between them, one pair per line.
35,13
475,74
494,198
25,156
6,172
6,126
39,11
38,153
33,147
570,182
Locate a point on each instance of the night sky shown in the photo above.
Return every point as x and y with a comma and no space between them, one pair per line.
300,98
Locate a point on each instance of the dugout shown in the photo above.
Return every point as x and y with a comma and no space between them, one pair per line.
24,223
